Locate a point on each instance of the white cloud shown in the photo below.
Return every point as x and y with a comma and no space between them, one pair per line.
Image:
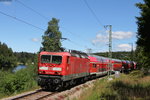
103,38
121,35
124,47
100,39
36,39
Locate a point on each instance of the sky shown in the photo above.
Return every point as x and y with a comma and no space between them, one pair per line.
81,22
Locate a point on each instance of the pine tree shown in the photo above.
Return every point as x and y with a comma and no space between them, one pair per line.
143,34
51,38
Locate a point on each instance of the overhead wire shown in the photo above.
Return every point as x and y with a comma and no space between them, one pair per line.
79,36
93,13
26,6
25,22
15,18
30,24
32,9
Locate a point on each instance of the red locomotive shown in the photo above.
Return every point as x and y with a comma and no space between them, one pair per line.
61,69
57,69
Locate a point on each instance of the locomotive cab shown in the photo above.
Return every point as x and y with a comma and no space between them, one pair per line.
56,69
51,68
50,64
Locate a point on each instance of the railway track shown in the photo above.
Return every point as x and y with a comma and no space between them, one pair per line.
35,95
47,95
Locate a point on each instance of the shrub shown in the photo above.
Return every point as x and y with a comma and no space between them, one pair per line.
22,80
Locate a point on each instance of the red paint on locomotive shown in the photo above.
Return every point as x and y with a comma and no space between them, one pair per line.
64,64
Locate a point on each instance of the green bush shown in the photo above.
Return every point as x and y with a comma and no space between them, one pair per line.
22,80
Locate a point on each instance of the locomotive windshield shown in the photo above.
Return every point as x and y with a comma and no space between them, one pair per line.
51,59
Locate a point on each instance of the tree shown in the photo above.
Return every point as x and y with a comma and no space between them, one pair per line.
143,34
7,58
51,38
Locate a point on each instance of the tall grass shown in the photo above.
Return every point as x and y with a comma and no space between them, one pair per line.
134,86
13,83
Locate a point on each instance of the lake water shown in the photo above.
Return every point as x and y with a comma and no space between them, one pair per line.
19,67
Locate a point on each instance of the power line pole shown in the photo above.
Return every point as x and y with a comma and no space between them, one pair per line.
110,49
110,41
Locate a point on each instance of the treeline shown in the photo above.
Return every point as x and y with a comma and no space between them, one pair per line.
7,58
25,57
123,55
10,59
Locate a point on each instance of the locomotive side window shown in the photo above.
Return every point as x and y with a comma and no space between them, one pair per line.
67,59
56,59
45,58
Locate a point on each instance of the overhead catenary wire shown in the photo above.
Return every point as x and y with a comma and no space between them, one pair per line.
32,9
78,36
93,13
95,16
43,16
20,20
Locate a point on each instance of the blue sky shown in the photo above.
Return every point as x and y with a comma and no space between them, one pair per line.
77,23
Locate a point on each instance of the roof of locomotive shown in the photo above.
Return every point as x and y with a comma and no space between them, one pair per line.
75,54
55,53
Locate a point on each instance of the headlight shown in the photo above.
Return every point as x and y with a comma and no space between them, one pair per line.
43,68
57,69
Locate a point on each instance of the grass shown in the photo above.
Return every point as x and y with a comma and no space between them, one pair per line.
134,86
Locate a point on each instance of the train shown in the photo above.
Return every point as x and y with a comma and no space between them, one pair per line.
64,69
